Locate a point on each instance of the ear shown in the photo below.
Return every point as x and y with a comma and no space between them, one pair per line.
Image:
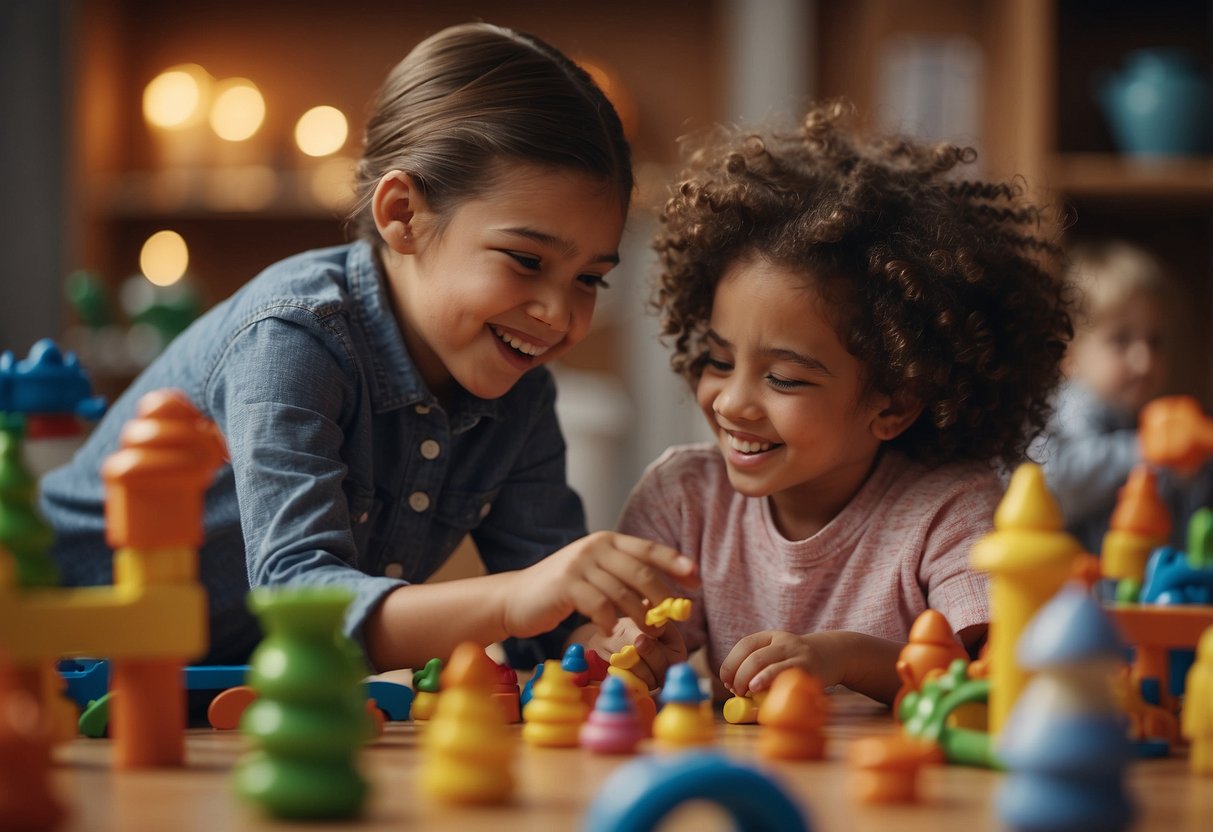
894,416
393,205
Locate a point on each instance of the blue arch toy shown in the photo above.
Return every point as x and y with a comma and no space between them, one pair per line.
637,796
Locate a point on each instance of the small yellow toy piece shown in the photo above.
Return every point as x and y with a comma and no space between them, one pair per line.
743,710
671,609
554,715
1029,557
468,749
1196,721
626,658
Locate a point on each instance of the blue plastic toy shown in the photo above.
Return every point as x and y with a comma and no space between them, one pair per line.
681,685
640,794
1171,579
47,382
528,688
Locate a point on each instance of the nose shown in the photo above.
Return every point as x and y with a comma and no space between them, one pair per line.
552,306
735,402
1142,357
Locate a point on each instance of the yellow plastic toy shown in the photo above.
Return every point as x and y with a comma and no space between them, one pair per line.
646,708
1197,717
743,710
1029,557
671,609
683,722
556,710
468,750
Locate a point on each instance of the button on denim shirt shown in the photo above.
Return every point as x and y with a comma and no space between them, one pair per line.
344,466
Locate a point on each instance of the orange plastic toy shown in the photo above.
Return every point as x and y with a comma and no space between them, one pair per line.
793,716
931,646
26,800
1175,432
885,769
153,619
1139,524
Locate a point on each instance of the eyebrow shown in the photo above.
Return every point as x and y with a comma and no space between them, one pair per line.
778,353
567,247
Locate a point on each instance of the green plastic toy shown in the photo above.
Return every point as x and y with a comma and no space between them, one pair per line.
310,719
22,531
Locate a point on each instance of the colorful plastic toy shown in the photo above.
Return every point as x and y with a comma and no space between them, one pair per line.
47,382
427,684
1139,524
154,616
1175,432
1151,729
1028,557
646,708
926,714
930,648
639,795
1197,719
885,769
1170,579
793,717
556,710
27,801
612,727
671,609
468,751
23,532
1155,631
505,693
626,658
1200,539
682,722
743,710
310,719
1065,744
574,663
528,690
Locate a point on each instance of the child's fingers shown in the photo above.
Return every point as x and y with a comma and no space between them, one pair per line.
741,651
627,601
670,561
594,605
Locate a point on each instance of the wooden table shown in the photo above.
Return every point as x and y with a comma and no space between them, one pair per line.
555,786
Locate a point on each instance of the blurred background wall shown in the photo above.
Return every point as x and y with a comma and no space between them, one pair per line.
91,181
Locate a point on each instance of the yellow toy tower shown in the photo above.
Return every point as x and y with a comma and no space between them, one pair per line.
1029,557
1139,525
554,715
1197,716
468,749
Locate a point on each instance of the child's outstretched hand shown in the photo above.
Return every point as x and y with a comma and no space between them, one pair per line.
605,576
656,648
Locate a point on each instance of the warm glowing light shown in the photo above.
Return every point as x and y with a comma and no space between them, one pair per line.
176,97
238,110
321,131
164,257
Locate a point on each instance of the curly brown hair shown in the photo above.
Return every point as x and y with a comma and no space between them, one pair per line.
945,289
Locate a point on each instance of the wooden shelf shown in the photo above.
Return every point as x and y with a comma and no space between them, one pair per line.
1116,175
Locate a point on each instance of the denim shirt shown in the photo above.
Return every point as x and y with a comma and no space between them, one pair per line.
344,467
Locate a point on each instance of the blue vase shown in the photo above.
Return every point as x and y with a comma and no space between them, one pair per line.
1158,104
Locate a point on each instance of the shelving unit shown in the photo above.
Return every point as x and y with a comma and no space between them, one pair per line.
1041,120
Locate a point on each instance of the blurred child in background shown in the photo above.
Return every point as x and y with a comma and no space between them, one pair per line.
1120,359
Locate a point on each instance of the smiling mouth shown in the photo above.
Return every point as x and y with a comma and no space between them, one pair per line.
747,447
517,344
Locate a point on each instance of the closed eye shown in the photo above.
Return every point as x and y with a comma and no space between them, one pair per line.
596,281
527,261
785,383
718,365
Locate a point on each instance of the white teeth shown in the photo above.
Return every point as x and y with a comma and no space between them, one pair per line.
524,347
748,447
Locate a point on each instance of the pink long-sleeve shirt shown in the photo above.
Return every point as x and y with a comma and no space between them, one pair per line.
900,546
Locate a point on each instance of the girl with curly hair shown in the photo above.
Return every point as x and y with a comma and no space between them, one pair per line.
870,336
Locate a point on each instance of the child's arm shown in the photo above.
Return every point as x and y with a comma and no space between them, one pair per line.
865,664
604,576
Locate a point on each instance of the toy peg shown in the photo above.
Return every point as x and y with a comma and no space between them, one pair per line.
556,709
793,717
671,609
682,722
1029,556
1175,432
1139,524
626,658
885,769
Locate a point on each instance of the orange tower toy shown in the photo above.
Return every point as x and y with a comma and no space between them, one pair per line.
1140,523
931,646
1176,433
793,716
154,488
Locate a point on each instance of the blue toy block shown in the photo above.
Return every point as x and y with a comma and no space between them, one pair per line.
573,659
48,382
528,688
87,679
640,794
1171,579
394,699
681,685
